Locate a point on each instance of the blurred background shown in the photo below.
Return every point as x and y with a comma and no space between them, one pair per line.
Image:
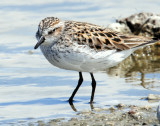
32,89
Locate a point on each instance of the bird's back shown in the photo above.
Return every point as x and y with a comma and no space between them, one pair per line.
99,38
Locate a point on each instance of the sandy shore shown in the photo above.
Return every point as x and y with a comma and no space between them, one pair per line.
119,115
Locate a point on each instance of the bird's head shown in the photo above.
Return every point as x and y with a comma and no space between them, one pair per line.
49,31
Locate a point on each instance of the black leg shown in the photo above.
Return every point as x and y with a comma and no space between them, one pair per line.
93,88
76,89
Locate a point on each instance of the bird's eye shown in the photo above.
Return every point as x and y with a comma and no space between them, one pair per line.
50,32
54,30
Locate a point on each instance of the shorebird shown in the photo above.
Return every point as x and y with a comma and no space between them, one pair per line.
84,47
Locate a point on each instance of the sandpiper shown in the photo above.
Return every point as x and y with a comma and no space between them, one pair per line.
84,47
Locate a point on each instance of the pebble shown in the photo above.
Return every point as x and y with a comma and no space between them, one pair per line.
120,105
73,119
119,28
112,108
41,123
30,52
153,97
97,109
146,107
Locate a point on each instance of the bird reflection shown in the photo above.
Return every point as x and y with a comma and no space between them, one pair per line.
74,108
92,107
142,61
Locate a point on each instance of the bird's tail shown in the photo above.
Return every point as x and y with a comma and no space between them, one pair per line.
145,44
135,42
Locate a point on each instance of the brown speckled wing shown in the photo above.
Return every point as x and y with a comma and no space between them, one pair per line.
99,38
135,41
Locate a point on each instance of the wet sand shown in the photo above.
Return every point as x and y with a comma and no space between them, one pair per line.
119,115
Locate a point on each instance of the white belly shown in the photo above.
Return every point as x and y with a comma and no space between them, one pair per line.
83,60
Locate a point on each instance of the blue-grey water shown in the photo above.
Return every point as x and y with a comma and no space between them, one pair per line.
31,89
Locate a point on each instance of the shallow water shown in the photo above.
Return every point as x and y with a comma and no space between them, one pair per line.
31,89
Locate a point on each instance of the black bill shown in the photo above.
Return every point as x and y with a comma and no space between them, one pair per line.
41,40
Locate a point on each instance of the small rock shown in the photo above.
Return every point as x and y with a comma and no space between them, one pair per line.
57,120
41,123
119,28
73,119
123,115
135,115
109,124
30,52
120,105
97,109
31,124
51,123
144,123
112,108
153,97
146,107
131,112
83,124
87,112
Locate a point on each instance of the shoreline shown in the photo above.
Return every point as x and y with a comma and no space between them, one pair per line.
121,115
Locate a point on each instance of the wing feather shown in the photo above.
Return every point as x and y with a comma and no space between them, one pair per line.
99,38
